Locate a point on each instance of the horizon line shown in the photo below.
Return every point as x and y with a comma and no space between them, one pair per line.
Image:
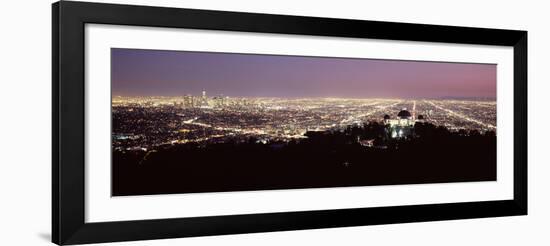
316,97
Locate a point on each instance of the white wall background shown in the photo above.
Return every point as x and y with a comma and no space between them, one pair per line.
25,59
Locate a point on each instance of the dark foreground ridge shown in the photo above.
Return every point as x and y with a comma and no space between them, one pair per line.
356,156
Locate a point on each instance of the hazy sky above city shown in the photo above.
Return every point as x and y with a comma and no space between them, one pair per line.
177,73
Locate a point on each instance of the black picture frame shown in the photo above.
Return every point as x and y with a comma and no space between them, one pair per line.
68,107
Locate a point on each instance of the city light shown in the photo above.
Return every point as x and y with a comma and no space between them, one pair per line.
145,122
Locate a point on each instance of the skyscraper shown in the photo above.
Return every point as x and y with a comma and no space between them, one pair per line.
188,101
204,100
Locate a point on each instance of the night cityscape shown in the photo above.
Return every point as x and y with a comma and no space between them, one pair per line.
142,123
189,122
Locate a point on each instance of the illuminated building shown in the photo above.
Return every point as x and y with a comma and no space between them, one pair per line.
219,101
204,100
188,101
402,126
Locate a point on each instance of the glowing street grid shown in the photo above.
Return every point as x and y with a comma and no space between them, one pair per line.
148,122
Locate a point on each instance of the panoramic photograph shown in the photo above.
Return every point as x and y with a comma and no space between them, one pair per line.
188,122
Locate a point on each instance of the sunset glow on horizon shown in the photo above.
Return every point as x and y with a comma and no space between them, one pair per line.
137,72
